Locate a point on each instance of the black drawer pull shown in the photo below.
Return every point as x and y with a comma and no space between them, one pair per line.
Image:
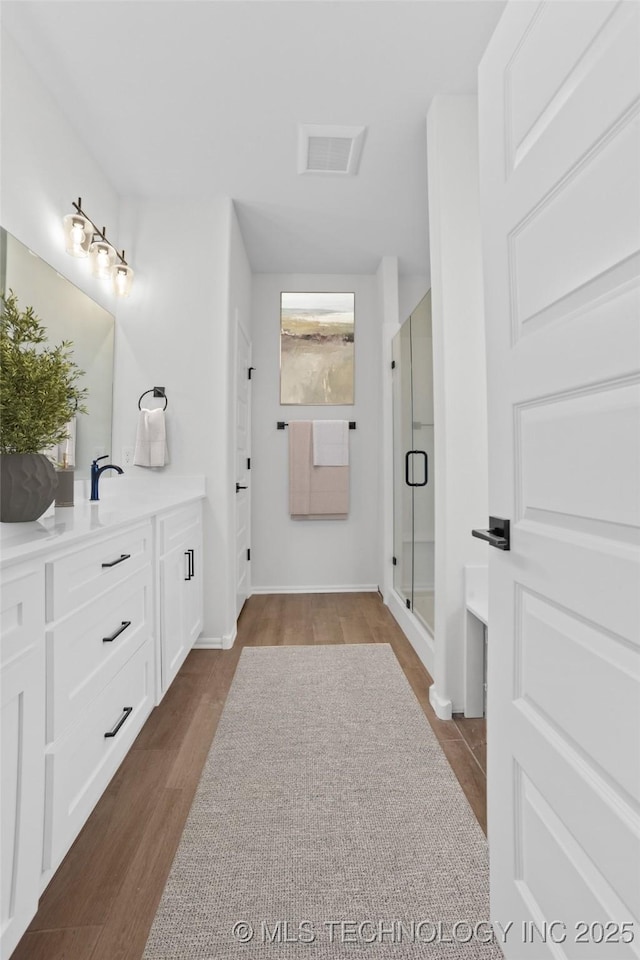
190,571
127,711
121,629
112,563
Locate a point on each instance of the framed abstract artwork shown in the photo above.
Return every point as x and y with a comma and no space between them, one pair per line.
317,348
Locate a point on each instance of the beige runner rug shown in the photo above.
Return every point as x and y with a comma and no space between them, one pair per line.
327,823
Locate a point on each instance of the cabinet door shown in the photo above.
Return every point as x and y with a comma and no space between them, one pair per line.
193,592
174,572
22,757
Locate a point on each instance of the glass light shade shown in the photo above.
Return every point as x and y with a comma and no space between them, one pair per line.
122,279
101,257
78,234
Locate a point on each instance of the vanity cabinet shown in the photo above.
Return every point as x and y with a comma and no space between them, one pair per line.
99,610
22,673
100,674
180,563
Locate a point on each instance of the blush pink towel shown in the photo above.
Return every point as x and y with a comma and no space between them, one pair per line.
315,493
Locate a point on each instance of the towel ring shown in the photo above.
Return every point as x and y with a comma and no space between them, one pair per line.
157,392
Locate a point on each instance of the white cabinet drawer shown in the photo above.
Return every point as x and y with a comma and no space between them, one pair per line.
82,762
21,614
82,576
175,528
88,648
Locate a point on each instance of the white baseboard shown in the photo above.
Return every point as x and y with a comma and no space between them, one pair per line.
217,643
417,635
209,643
443,707
332,588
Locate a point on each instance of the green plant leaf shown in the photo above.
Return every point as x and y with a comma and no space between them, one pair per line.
39,391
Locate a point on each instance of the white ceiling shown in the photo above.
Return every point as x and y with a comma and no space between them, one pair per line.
189,98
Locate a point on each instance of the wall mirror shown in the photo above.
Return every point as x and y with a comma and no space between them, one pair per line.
68,314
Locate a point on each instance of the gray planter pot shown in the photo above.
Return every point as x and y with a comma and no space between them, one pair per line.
28,484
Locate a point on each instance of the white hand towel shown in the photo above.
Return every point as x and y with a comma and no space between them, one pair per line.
331,443
151,439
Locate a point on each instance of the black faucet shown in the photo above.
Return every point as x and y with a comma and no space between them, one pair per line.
96,471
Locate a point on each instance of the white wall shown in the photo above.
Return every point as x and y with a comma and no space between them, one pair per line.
45,167
460,404
177,331
291,554
411,290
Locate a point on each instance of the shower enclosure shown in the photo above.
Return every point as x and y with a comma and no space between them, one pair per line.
414,520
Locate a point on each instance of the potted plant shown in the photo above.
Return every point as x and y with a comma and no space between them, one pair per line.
38,397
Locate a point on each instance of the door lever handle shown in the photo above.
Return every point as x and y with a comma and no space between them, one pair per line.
498,535
239,486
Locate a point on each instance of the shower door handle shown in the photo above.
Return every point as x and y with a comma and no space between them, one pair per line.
411,453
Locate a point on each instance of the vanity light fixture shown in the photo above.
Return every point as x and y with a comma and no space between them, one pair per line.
78,234
82,239
122,279
102,257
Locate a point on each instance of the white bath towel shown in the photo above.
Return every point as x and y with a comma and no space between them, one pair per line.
331,443
315,493
151,440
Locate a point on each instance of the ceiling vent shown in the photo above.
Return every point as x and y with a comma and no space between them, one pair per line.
329,149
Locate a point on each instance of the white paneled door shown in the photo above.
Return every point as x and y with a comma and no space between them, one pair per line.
559,100
243,466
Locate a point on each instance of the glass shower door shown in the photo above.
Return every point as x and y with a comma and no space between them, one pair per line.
422,431
402,441
414,517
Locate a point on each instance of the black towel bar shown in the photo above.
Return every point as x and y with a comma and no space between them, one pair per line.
281,424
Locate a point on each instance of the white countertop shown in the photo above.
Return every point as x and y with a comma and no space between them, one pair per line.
123,500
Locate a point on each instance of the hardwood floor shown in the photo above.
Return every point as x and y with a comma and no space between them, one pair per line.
102,900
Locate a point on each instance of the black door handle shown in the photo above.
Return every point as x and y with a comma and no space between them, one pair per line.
239,486
190,564
498,535
116,634
410,453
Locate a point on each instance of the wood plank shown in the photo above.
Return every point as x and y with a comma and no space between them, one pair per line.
126,929
474,732
356,629
71,943
87,881
470,777
327,629
267,632
168,723
298,631
190,758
